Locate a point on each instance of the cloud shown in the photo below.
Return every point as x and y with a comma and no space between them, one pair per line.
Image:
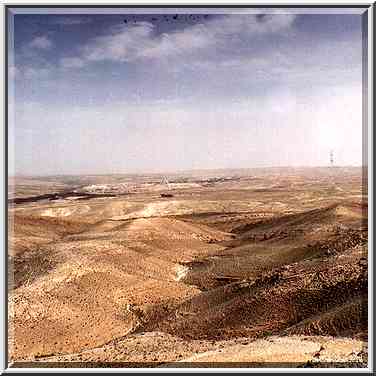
122,44
70,20
36,73
72,62
128,43
41,42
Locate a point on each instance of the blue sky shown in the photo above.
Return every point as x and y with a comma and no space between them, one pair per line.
160,92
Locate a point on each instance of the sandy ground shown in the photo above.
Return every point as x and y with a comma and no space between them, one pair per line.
255,269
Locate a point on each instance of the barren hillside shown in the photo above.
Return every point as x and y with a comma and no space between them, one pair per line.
252,267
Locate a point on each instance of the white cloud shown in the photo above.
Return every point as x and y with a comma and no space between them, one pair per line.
122,44
70,20
127,43
72,62
36,73
41,42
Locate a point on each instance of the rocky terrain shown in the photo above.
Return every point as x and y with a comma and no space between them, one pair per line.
231,268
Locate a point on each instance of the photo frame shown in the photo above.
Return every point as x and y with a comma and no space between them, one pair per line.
187,187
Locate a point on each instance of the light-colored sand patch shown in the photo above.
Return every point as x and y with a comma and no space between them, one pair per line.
278,205
181,272
284,350
186,207
342,210
152,209
65,211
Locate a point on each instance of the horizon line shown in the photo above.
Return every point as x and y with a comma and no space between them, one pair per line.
182,171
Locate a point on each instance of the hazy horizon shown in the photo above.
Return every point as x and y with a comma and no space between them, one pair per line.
157,93
176,172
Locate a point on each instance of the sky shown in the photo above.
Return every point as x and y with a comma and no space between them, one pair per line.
133,93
